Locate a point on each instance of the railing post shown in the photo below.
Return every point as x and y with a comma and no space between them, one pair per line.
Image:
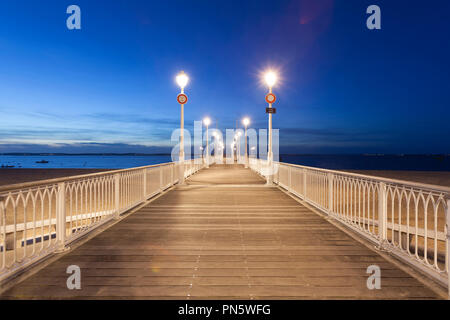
172,173
290,178
3,234
447,227
144,188
330,192
161,180
61,217
304,183
181,168
382,212
117,195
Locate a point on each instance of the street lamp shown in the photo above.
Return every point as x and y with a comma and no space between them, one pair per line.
271,79
246,122
182,79
207,122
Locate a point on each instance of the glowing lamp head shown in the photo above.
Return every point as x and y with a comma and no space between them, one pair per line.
246,121
270,78
207,121
182,79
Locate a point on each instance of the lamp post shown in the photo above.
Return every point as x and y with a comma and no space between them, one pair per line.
270,78
207,122
182,80
239,134
215,146
201,150
232,150
246,122
221,151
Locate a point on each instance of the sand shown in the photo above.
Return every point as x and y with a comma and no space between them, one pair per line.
441,178
13,176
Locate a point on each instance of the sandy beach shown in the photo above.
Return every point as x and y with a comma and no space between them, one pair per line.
440,178
13,176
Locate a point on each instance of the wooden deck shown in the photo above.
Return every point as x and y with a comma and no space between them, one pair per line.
224,235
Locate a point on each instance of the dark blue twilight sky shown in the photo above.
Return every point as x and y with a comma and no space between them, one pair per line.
110,86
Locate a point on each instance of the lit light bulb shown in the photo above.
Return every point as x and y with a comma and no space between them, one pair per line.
207,121
271,78
182,79
246,121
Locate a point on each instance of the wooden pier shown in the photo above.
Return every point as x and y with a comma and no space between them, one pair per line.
222,235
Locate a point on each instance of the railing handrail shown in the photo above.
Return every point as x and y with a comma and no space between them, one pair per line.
16,186
430,187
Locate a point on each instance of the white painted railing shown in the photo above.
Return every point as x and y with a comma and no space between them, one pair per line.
40,218
411,220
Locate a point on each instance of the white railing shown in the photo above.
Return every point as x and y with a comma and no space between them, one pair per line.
192,166
40,218
411,220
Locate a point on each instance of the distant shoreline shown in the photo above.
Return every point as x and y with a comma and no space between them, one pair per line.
281,154
400,162
84,154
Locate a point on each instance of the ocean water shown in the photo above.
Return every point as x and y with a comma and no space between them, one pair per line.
336,162
82,161
372,162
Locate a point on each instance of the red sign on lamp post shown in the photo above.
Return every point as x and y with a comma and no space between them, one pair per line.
182,98
270,98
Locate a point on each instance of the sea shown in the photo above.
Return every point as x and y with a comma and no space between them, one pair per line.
336,162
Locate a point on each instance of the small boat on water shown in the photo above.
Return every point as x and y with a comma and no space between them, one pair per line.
42,161
6,166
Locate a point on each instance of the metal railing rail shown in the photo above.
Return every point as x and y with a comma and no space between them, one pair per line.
43,217
409,219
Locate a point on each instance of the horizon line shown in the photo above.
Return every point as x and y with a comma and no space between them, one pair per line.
168,154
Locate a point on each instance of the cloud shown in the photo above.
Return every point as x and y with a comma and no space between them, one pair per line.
83,148
39,128
124,132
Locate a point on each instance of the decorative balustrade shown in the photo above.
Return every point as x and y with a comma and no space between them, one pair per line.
410,220
40,218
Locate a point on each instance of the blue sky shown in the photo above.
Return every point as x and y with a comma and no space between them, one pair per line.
109,87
